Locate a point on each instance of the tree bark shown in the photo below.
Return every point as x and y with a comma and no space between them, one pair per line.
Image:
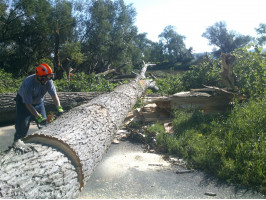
58,65
68,100
228,77
210,100
61,157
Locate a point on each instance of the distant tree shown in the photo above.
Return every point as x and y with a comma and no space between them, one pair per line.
71,56
157,53
261,31
174,47
3,21
5,34
141,50
63,24
108,35
3,7
225,40
31,31
24,35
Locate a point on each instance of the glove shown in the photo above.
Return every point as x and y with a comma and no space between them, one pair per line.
40,119
50,118
60,110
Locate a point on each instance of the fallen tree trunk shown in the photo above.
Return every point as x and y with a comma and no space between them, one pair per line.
58,160
209,100
67,99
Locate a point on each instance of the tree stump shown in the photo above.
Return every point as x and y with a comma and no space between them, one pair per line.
228,77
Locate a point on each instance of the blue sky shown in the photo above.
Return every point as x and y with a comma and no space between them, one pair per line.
192,17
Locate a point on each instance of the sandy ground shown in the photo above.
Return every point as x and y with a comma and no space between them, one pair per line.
126,172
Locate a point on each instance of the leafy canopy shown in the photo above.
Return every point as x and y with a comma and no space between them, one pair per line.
225,40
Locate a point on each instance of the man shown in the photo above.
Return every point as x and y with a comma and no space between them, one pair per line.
30,99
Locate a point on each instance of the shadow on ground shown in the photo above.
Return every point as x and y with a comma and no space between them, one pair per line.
128,173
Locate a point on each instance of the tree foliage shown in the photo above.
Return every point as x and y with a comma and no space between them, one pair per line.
36,29
225,40
174,48
249,69
93,36
63,24
82,82
7,82
31,31
207,72
24,35
261,31
109,32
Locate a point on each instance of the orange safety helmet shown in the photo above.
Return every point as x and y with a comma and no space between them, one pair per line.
43,70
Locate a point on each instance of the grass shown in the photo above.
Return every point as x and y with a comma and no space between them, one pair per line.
231,147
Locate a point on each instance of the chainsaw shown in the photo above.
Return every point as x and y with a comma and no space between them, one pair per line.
50,118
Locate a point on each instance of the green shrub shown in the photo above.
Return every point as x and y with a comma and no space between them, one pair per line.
205,73
9,84
250,71
82,82
171,84
166,143
156,128
153,130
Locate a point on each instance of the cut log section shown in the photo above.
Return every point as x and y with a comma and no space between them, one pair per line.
68,100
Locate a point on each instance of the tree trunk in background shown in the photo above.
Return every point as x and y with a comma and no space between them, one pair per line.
63,155
68,100
58,70
228,77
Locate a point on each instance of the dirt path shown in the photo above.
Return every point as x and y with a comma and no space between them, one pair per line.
127,172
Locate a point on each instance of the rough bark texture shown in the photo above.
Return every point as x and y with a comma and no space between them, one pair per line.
67,99
228,77
78,140
209,99
37,173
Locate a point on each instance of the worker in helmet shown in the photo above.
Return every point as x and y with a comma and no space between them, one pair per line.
30,99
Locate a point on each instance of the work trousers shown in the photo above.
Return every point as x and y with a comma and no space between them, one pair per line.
24,117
